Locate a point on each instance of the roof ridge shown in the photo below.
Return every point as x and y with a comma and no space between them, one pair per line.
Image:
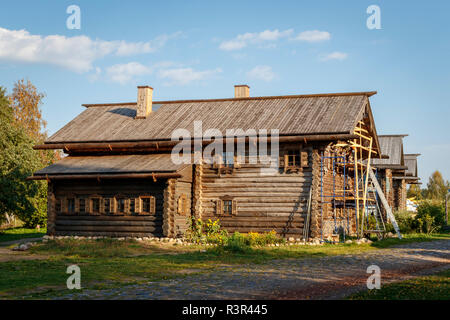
317,95
394,135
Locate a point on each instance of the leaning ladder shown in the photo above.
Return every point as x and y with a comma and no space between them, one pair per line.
389,213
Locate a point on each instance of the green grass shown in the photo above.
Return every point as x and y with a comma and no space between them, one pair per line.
435,287
12,234
107,263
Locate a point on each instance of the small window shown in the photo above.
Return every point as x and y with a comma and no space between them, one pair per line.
82,205
293,158
228,159
121,205
70,205
148,205
227,206
58,205
95,205
107,205
133,205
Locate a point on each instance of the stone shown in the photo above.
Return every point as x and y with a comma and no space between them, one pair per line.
348,241
291,239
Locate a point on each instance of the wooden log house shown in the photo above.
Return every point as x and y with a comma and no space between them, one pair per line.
396,170
118,178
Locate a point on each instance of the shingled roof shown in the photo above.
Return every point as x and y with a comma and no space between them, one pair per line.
112,164
291,115
411,163
392,146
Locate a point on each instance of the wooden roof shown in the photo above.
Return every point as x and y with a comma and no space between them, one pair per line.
291,115
111,164
411,163
392,146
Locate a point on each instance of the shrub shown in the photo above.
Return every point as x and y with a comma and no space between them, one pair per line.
434,209
405,221
211,232
206,232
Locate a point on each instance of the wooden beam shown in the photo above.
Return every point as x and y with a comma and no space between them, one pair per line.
160,145
105,176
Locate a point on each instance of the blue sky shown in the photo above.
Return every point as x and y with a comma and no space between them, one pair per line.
200,49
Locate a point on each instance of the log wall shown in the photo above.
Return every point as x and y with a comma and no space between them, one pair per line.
107,225
277,201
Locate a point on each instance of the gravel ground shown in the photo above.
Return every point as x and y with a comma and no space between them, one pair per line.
312,278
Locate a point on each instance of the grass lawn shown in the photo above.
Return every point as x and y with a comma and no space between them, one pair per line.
106,263
20,233
435,287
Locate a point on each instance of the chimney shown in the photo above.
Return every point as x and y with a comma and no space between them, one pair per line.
144,102
241,91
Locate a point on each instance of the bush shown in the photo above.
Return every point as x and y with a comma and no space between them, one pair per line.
211,232
206,232
434,209
405,221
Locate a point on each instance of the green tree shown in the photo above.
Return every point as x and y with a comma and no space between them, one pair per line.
18,160
414,191
436,187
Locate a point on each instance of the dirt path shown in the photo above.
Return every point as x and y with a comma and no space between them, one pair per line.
312,278
6,254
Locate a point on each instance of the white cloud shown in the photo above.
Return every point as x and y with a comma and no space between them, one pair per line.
313,36
334,56
74,53
124,73
183,76
264,73
242,40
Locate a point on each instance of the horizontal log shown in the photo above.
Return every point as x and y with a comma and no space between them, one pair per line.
254,194
256,179
257,224
107,228
210,214
247,219
110,218
223,190
157,145
156,223
108,234
279,231
99,176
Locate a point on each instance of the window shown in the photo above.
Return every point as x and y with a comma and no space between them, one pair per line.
228,159
95,205
82,205
107,205
121,205
148,205
71,205
133,205
226,206
58,205
293,158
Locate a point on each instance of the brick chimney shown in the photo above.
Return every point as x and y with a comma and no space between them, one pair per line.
241,91
144,102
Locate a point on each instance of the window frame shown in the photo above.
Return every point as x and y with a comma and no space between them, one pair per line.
91,204
152,205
